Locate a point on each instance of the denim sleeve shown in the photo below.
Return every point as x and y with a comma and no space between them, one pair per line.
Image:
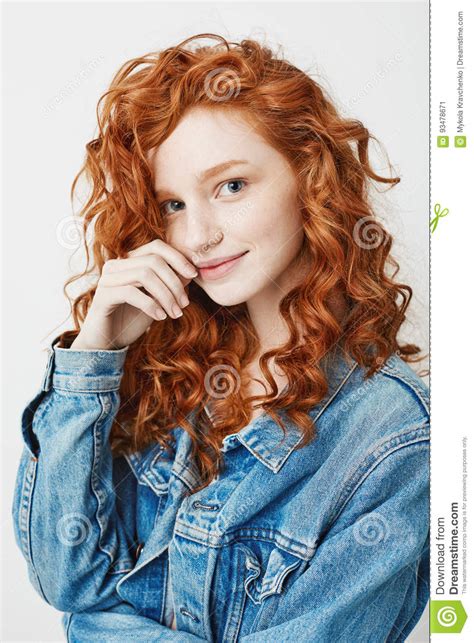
368,580
120,624
75,543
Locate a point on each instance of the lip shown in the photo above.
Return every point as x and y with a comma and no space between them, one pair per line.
218,270
216,262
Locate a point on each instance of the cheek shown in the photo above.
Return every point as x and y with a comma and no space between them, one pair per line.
173,236
279,231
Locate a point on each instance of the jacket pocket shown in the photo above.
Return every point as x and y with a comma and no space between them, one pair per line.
264,578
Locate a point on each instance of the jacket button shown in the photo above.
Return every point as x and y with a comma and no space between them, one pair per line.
139,550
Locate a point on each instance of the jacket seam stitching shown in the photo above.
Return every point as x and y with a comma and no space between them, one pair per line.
92,391
97,445
38,414
68,626
28,497
336,392
243,594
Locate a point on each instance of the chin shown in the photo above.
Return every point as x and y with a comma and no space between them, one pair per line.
226,300
227,294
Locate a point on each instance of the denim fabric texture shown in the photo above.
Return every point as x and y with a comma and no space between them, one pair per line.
325,543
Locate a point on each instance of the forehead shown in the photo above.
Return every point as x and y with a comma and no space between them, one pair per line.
206,137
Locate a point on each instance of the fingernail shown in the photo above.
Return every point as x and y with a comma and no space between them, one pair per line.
177,312
192,272
184,301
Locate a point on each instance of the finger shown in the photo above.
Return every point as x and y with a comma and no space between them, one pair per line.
172,256
160,267
146,277
138,299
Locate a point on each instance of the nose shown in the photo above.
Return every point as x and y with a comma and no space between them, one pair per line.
201,229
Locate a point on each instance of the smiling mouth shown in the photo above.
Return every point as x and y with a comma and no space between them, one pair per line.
214,272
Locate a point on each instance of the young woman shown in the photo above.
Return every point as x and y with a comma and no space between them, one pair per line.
230,445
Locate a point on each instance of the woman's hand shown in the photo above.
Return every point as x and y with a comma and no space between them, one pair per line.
134,291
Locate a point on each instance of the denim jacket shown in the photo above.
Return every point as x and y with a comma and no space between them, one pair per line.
325,543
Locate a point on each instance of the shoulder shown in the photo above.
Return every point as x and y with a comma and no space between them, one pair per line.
369,418
394,397
398,371
379,427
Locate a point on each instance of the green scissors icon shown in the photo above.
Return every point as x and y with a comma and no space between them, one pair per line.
438,214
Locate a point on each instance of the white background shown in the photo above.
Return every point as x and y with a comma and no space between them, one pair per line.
58,60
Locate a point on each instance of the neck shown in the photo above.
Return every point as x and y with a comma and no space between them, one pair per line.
263,308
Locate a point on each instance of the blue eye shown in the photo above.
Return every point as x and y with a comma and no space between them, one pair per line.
181,204
169,203
234,181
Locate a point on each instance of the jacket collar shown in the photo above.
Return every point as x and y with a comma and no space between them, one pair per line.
263,437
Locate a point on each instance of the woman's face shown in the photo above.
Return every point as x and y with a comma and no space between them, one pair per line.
224,191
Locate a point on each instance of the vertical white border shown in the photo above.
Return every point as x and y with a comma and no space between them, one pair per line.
451,181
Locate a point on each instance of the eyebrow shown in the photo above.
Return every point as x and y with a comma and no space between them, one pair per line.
205,175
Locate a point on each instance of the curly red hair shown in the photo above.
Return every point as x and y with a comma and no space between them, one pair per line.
166,372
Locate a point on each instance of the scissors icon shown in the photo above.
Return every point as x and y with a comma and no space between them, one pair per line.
438,214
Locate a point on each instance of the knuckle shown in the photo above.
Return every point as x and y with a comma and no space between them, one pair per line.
102,282
146,273
156,262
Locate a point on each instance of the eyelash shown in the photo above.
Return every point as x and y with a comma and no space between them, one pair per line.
163,205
